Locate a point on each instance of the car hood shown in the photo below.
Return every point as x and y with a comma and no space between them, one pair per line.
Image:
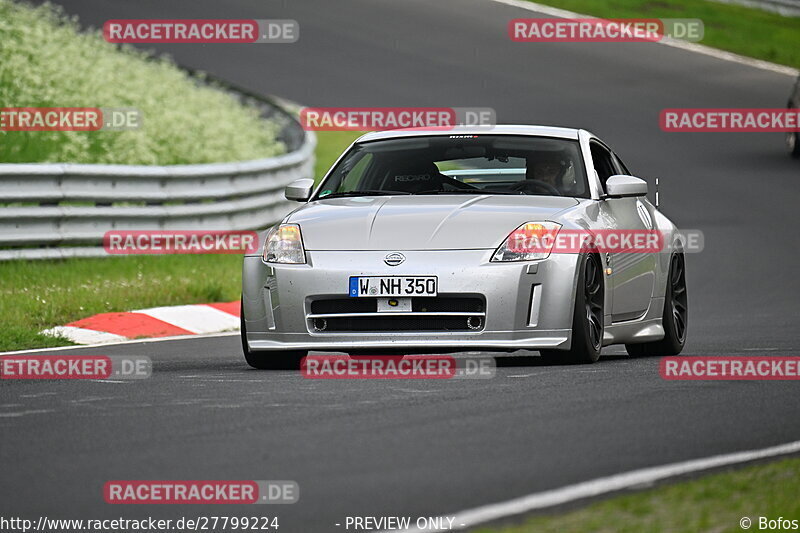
454,222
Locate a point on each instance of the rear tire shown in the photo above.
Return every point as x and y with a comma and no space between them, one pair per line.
675,317
282,360
587,318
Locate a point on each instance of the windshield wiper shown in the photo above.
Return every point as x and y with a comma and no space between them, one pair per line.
361,193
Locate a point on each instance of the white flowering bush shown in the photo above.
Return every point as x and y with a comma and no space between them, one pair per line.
46,61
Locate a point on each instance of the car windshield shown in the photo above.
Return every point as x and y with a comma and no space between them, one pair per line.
460,164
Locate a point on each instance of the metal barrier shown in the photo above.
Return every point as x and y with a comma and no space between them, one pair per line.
71,206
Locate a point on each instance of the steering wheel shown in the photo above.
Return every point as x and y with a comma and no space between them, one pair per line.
528,184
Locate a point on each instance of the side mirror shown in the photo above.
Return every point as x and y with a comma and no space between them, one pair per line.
620,186
299,190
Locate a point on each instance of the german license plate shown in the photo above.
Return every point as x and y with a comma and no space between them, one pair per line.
383,286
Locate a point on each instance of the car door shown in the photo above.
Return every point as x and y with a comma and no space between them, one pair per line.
632,275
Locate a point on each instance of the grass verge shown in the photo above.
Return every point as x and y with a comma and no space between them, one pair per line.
712,503
46,61
738,29
36,295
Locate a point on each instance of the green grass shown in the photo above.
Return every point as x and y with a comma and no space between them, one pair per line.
738,29
36,295
712,503
45,61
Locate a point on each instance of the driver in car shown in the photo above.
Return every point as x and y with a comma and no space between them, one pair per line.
547,168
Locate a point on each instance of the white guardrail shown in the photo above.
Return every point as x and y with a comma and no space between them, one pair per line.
65,209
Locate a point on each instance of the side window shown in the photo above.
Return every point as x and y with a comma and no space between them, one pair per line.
603,163
621,168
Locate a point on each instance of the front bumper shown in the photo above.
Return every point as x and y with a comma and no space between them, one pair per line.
528,305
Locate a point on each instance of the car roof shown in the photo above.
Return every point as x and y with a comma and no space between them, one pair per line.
501,129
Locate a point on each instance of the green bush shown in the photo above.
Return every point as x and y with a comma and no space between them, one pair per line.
46,61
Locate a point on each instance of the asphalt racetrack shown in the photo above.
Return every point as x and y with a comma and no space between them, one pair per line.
426,448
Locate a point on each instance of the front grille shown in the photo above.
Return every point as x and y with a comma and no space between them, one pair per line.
445,304
440,313
344,305
398,323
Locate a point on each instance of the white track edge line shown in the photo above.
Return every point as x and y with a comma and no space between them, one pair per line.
604,485
675,43
132,341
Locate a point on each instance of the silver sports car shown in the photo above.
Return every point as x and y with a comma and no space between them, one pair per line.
428,241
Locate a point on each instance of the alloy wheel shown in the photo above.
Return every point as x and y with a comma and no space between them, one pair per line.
593,291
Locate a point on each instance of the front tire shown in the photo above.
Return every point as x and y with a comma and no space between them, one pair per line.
283,360
587,318
675,318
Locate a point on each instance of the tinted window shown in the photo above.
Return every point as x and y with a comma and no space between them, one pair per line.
621,168
603,163
461,164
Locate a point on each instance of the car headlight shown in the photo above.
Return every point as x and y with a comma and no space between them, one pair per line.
284,245
530,241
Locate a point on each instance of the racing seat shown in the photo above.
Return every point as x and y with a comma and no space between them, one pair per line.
413,178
